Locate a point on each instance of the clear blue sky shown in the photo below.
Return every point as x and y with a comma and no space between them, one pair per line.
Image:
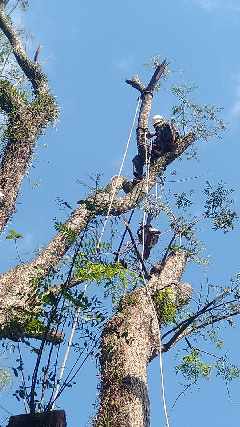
88,49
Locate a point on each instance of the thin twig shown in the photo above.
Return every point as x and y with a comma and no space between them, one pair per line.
146,274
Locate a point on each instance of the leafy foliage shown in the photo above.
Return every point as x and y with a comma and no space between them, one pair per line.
165,304
202,120
192,367
218,207
227,370
90,271
14,235
183,200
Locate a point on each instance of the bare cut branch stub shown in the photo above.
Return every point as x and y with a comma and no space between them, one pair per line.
159,72
136,84
146,104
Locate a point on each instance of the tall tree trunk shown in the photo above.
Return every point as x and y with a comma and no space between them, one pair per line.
128,344
130,341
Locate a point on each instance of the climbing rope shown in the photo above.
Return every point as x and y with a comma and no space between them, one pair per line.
67,352
148,160
77,314
66,355
162,381
163,395
119,174
148,163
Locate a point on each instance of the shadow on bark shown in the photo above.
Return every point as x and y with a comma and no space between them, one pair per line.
139,389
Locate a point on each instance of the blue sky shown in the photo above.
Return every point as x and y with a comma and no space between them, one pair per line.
88,49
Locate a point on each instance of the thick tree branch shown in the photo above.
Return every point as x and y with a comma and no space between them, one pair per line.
16,286
31,70
158,73
19,280
26,121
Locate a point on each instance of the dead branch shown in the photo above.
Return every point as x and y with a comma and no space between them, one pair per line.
158,73
146,104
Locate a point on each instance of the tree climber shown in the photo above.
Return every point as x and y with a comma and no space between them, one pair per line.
165,136
148,236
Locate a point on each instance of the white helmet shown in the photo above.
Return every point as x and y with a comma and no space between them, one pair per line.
157,119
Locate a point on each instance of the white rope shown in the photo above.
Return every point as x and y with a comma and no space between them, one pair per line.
119,173
180,239
148,162
66,355
75,322
163,395
67,352
162,381
143,235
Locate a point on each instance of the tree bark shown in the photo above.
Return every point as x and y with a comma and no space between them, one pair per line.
130,341
26,121
46,419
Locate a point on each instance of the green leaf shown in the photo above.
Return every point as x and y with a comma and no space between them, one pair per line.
14,235
193,368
